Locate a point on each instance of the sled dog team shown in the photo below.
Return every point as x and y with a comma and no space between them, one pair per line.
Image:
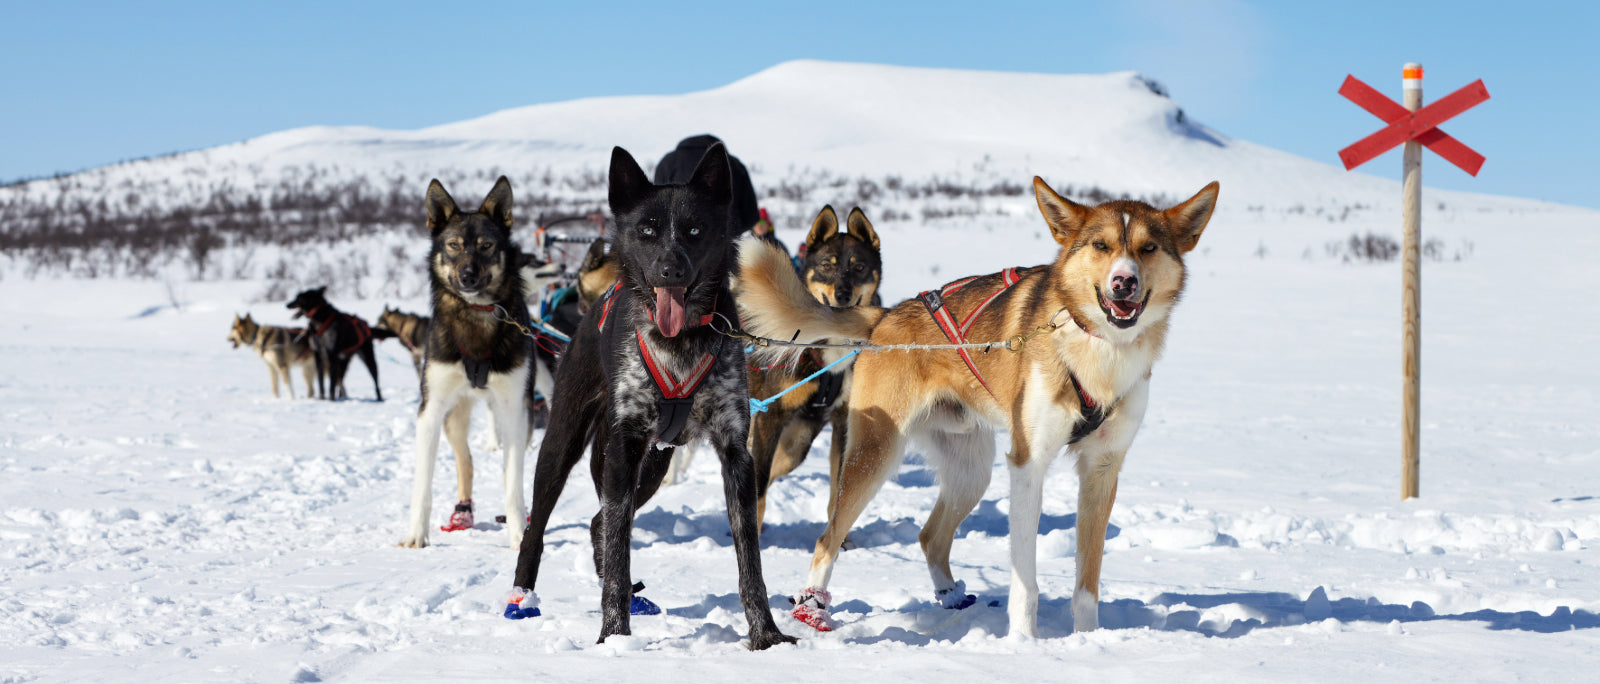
650,368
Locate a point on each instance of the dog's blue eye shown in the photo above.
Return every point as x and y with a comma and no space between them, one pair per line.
648,231
694,231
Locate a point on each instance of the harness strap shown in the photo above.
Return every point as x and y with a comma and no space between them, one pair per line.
363,333
677,395
1092,414
670,387
957,333
606,300
476,367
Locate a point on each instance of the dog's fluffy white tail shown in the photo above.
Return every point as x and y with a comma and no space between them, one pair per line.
774,303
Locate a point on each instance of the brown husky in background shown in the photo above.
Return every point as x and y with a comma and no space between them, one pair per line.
278,348
839,268
412,331
1093,322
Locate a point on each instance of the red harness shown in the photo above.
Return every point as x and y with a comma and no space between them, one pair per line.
1092,414
957,332
670,387
677,395
363,332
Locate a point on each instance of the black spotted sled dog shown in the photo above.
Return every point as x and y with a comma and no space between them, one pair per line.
646,373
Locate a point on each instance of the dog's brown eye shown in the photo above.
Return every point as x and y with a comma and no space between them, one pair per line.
485,246
1148,248
1102,246
453,245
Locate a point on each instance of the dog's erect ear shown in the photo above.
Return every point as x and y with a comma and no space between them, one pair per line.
322,291
1065,217
1189,219
712,177
628,182
860,228
595,256
497,205
441,207
824,227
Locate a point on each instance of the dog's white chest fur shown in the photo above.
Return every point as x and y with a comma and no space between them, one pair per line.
448,381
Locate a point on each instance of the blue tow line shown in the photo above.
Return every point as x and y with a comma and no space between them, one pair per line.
760,406
549,330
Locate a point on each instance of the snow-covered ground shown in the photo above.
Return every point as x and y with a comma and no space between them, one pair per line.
162,518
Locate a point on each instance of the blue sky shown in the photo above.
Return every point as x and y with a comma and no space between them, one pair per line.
92,83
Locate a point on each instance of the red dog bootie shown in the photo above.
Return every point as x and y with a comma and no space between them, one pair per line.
460,518
811,607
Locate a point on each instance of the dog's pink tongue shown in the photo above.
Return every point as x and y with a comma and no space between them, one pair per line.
669,310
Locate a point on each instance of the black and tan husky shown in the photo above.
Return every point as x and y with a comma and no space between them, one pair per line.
1093,320
476,350
646,372
335,337
411,329
279,347
839,268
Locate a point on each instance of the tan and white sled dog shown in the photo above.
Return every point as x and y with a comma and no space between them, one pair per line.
278,348
1092,324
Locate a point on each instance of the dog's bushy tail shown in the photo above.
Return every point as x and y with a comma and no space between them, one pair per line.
774,303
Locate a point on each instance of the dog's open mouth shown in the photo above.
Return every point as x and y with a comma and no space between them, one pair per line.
670,315
1123,313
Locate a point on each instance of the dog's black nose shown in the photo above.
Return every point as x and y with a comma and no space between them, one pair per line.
672,272
1124,286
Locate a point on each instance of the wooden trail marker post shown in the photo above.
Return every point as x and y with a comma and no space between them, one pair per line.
1415,126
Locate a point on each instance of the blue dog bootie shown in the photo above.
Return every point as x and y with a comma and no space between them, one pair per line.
639,605
521,603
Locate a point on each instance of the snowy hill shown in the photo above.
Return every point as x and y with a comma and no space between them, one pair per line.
908,143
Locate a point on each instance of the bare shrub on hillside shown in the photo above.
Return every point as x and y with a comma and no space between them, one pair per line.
1373,248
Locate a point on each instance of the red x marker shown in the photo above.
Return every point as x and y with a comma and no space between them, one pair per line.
1421,126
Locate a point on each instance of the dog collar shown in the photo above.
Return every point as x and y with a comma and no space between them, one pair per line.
1081,325
481,307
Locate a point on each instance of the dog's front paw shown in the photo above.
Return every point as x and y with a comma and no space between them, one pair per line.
765,639
415,541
